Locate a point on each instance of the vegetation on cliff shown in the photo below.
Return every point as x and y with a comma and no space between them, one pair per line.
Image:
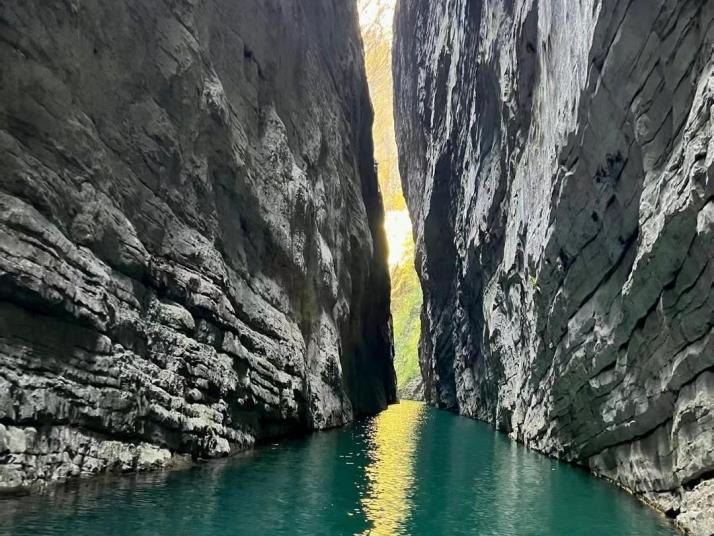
376,20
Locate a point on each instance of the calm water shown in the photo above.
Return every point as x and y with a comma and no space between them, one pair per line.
411,470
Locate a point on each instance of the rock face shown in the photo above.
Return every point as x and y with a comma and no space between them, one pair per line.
412,390
191,253
558,163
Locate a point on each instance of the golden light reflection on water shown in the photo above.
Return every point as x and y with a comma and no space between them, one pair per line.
392,439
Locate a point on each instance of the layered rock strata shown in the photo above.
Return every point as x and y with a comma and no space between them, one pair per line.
558,163
191,253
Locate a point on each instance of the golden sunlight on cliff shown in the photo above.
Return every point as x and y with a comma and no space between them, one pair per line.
399,233
376,24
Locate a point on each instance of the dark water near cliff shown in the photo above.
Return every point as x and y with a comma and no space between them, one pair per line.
411,470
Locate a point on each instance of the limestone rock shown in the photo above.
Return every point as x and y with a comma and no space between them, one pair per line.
412,390
191,253
558,162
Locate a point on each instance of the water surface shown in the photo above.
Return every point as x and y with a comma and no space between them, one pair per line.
411,470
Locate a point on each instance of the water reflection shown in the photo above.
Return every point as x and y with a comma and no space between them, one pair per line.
392,438
411,470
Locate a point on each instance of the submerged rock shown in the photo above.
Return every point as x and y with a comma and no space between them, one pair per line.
557,160
191,251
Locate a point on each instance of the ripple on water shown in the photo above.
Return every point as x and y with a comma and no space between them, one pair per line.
410,470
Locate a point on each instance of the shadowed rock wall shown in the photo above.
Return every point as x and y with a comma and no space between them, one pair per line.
191,253
558,164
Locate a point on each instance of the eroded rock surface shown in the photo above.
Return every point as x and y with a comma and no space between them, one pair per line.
412,390
191,254
558,163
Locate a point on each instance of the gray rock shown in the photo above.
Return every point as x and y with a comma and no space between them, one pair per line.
557,160
412,390
191,253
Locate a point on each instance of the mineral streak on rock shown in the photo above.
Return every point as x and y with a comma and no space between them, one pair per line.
557,159
191,253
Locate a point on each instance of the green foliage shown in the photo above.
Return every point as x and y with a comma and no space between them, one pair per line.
406,306
375,19
534,283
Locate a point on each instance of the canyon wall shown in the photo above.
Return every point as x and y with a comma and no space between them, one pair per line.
558,163
191,247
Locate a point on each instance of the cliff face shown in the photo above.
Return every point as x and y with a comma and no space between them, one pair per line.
376,18
557,159
190,231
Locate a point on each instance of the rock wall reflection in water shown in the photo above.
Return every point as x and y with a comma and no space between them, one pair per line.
412,471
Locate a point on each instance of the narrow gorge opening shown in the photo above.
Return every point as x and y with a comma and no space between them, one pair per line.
194,273
376,17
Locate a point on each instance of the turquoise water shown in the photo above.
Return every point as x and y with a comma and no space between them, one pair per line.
411,470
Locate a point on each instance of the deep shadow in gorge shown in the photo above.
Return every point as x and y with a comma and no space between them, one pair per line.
376,18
